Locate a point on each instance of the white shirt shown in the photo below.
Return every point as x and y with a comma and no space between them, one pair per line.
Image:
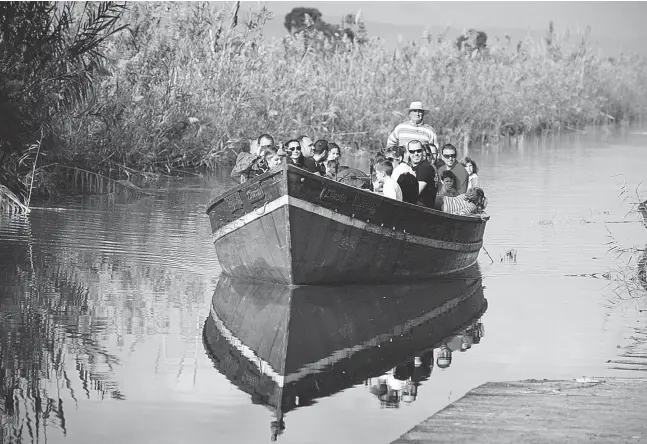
401,169
391,189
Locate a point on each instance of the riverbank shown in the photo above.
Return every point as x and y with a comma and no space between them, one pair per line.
603,410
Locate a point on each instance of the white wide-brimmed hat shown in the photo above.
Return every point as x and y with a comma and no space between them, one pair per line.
417,106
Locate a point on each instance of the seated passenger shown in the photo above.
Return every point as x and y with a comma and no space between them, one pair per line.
263,142
390,187
295,155
472,171
332,168
247,167
472,202
272,158
395,155
448,184
315,164
334,152
425,173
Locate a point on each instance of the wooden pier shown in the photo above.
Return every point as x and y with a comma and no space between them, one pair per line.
585,410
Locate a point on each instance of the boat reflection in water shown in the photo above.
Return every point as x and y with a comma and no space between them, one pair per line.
287,347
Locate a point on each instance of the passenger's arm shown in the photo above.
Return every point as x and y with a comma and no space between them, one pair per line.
393,139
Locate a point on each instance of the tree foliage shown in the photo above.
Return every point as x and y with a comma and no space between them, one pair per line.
307,21
50,55
472,40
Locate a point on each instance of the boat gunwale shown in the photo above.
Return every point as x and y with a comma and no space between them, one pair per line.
414,208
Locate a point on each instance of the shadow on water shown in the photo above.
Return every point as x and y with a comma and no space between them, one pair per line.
288,347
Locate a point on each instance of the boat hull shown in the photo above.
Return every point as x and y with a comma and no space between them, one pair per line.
293,227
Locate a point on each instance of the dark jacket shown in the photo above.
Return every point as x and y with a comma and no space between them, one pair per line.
314,167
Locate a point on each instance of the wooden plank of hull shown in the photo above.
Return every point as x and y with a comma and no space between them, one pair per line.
325,339
351,254
259,249
293,227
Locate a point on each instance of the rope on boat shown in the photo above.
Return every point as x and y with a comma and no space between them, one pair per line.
263,208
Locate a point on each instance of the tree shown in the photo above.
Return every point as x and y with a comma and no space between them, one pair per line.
301,18
472,40
308,22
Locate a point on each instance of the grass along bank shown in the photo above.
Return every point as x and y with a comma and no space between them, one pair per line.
187,79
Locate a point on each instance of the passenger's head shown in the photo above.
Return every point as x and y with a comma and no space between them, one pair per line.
306,145
265,141
394,155
320,150
427,149
332,167
267,153
293,148
433,152
449,180
416,152
334,152
449,154
383,169
470,166
275,161
477,197
416,112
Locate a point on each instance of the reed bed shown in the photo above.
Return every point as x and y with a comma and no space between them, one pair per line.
188,79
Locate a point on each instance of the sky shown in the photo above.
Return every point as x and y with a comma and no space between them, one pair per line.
618,25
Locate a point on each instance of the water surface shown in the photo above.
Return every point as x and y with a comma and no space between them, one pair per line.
103,305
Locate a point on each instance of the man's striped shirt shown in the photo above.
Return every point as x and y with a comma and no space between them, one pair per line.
407,131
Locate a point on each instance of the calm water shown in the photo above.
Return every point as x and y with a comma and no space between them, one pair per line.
103,307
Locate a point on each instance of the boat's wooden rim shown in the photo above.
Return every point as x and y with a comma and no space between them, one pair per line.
324,180
391,232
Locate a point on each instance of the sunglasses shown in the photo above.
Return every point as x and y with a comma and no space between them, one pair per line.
415,151
292,148
449,156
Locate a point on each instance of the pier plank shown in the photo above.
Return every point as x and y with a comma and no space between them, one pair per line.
609,410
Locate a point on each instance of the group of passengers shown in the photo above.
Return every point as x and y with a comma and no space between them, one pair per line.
409,170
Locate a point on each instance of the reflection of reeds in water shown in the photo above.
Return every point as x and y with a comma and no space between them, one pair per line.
634,356
35,342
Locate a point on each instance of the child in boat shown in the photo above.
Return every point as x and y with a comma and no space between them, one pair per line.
448,181
332,168
471,203
390,187
472,171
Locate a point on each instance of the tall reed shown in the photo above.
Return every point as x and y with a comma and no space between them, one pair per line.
191,77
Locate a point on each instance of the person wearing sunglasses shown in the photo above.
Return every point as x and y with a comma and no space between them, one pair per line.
449,153
414,129
293,149
425,173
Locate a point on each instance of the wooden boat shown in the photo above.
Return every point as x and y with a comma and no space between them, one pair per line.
289,226
287,346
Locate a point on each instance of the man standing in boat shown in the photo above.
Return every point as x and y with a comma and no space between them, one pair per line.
414,129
